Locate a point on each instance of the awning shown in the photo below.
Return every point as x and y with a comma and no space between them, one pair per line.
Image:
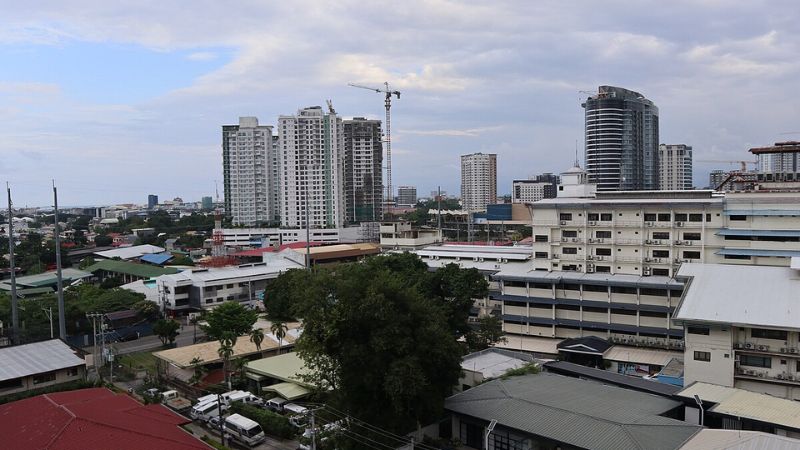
758,252
640,355
765,233
289,391
254,376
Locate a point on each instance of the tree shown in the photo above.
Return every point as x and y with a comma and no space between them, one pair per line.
282,296
229,318
257,337
146,309
225,351
166,330
489,331
103,240
457,290
279,329
385,348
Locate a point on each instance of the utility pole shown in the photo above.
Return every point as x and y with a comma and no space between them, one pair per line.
439,213
313,432
62,324
221,421
94,317
49,312
14,306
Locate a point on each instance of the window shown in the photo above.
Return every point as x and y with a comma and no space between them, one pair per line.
602,269
602,234
571,287
592,309
738,217
660,235
756,361
513,283
569,233
657,315
779,335
649,217
691,255
594,288
602,252
623,312
691,236
72,372
680,217
13,383
593,217
698,330
623,290
517,304
654,292
540,255
606,217
44,378
541,238
569,251
541,286
695,217
568,308
737,257
661,272
664,217
565,216
702,356
660,253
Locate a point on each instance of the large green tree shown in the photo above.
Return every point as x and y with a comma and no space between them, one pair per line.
386,348
229,319
457,289
166,330
283,295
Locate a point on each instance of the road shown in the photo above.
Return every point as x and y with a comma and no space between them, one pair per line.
186,337
270,444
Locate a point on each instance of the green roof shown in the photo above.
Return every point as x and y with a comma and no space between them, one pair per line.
68,275
129,268
289,391
287,367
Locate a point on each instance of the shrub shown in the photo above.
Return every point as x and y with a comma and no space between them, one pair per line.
272,423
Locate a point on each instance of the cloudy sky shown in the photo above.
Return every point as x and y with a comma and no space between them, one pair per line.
117,101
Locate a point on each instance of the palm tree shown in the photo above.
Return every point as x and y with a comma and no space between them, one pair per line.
257,337
225,352
279,329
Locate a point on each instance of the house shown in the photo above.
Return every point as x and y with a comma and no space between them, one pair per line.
93,419
39,365
546,410
127,271
490,363
282,374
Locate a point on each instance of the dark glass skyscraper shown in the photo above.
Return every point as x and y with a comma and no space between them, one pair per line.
621,140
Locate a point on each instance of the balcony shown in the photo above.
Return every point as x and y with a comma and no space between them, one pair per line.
763,374
752,347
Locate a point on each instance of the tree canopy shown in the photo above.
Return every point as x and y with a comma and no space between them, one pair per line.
229,319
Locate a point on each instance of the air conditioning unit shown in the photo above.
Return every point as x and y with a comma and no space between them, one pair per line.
760,374
563,222
555,256
657,242
648,241
737,345
575,239
763,348
686,260
748,345
563,239
647,259
678,242
658,260
784,349
592,222
780,376
599,258
497,266
589,257
590,240
646,271
648,224
599,240
792,350
589,269
687,242
678,224
790,377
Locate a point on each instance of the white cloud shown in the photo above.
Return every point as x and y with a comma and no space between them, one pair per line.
201,56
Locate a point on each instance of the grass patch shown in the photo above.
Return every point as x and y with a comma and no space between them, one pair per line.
138,361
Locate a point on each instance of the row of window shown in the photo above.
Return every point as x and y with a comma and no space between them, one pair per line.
648,217
594,288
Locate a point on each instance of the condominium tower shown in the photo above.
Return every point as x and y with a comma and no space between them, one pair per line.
406,196
621,140
478,181
363,176
310,146
675,167
249,171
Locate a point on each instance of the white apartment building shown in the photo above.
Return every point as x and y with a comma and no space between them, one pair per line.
528,191
404,236
265,237
675,167
249,171
478,181
311,147
742,327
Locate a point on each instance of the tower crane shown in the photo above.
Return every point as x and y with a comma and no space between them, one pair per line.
388,104
726,161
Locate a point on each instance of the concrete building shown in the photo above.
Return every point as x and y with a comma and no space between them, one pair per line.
781,158
490,363
534,188
716,177
403,236
406,195
39,365
742,327
207,203
247,157
478,181
152,201
621,140
363,170
675,167
311,148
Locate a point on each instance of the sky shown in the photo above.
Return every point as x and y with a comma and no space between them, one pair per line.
118,100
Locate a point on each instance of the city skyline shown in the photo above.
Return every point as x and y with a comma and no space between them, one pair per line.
146,118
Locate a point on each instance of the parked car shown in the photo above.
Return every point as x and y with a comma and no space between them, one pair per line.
276,404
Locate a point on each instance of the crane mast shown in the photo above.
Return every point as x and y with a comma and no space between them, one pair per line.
388,105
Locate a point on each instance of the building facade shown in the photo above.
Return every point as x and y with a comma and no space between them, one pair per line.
311,145
406,195
478,181
363,174
247,155
152,201
675,167
528,191
716,177
207,203
782,158
39,365
621,140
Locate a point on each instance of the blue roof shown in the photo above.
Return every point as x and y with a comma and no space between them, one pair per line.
758,252
156,258
766,233
762,212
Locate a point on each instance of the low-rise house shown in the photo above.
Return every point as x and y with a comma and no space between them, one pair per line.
484,365
282,374
127,271
39,365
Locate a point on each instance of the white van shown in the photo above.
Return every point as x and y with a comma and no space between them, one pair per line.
244,430
276,404
205,411
207,398
169,395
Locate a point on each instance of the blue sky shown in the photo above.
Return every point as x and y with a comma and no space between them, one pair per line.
116,100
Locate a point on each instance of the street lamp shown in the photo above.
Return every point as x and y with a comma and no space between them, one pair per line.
489,430
700,405
49,312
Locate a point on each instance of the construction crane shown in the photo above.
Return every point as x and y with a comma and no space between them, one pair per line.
388,104
726,161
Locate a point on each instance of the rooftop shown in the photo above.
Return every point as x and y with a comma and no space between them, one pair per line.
618,379
156,258
135,251
580,413
287,367
129,268
227,273
92,419
494,362
68,275
740,295
524,272
739,440
30,359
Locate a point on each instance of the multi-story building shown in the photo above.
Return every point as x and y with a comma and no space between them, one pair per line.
621,140
311,147
363,175
532,190
404,236
152,201
247,158
406,195
207,203
716,177
742,327
675,167
781,158
478,181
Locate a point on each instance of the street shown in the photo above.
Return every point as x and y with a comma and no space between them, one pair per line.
152,342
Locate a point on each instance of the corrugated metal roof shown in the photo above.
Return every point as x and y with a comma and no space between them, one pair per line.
156,258
287,367
289,391
746,404
533,344
493,362
43,279
135,251
526,273
129,268
749,232
577,412
758,252
39,357
729,294
739,440
627,381
640,355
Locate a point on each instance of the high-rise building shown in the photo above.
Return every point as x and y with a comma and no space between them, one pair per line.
207,203
675,167
406,195
621,140
363,175
478,181
311,145
534,188
781,158
152,201
716,177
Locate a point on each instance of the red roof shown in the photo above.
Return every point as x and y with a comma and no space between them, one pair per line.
90,419
261,251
